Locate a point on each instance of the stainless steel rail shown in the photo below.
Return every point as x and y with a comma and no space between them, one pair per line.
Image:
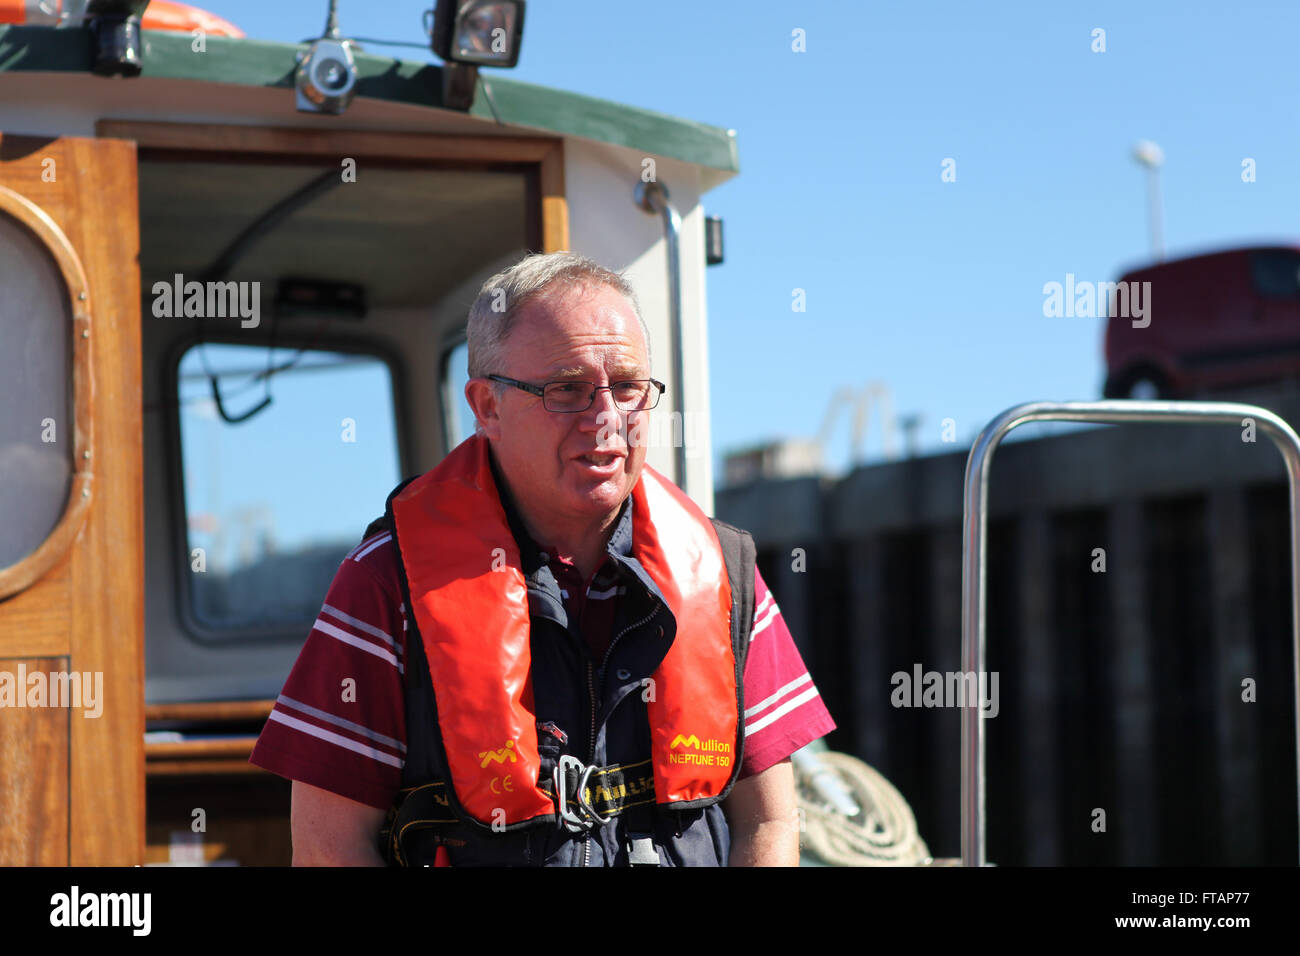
973,564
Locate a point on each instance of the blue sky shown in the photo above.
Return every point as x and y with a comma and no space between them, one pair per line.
933,288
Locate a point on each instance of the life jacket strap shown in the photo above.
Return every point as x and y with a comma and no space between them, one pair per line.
589,796
425,807
593,796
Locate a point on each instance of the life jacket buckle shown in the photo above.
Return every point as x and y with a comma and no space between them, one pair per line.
582,817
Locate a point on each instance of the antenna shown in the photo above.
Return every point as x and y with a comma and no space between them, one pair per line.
332,23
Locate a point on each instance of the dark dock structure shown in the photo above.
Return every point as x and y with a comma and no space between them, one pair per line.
1138,621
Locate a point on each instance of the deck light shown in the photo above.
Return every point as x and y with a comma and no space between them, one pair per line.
327,75
479,32
468,34
115,35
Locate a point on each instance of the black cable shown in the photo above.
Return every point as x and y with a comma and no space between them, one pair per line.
417,46
236,419
487,92
269,220
235,251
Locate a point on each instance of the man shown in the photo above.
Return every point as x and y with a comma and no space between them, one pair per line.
543,648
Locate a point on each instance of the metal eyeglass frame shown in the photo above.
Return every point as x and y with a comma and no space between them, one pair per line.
540,392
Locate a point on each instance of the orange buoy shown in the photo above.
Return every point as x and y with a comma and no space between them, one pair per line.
159,15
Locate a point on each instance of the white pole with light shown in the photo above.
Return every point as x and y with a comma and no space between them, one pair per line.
1152,157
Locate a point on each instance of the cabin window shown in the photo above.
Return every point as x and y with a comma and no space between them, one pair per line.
36,427
274,502
459,423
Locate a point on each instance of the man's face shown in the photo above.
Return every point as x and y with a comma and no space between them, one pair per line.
585,334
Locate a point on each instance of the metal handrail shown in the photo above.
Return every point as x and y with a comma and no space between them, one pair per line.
974,557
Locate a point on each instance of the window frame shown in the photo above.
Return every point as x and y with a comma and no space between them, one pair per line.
191,625
450,400
30,568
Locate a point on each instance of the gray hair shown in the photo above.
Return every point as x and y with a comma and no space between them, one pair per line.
501,298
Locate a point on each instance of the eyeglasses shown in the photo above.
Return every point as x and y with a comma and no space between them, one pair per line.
569,397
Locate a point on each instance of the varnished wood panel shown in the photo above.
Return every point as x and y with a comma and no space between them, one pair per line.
33,775
89,608
38,620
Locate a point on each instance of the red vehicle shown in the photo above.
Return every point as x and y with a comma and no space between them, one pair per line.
1211,322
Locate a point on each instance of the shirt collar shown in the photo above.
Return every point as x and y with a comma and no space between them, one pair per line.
619,545
540,577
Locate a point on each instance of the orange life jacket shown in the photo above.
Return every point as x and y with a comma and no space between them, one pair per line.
469,601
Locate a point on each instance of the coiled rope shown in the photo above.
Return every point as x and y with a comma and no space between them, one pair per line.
884,831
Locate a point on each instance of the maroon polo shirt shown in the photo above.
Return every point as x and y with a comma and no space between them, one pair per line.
592,603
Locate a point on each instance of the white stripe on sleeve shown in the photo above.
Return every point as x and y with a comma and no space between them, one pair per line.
764,704
360,625
761,623
382,539
339,634
334,738
781,711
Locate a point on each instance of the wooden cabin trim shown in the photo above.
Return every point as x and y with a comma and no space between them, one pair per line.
240,747
107,562
555,205
210,711
215,767
20,576
288,141
223,756
545,153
